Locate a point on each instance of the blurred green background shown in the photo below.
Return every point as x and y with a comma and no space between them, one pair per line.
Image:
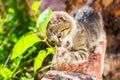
18,17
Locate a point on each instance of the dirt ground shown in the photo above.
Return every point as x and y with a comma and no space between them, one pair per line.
110,10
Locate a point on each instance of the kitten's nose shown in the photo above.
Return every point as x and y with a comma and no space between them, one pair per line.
58,44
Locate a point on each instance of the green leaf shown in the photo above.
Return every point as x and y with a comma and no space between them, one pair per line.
11,10
6,73
43,20
40,58
24,43
36,5
51,50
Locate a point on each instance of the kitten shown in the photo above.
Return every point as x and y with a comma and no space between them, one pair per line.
76,35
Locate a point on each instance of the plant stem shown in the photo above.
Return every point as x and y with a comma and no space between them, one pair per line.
16,67
7,59
33,13
44,68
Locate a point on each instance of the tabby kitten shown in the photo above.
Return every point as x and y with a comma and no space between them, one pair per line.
75,35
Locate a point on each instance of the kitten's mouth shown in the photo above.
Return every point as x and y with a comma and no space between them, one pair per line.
67,44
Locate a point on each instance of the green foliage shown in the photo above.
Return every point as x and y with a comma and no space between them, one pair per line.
6,73
27,76
24,43
35,6
41,56
39,59
43,20
18,53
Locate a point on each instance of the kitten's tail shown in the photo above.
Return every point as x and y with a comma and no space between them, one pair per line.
90,2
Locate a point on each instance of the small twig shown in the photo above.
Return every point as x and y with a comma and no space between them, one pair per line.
33,13
7,59
45,38
48,44
16,67
28,3
44,68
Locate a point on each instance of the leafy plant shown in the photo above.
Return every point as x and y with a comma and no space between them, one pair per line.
30,38
43,21
36,5
24,43
41,56
18,53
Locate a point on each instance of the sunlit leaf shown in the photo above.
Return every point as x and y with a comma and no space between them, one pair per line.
40,58
6,73
11,10
1,30
23,44
36,5
51,50
43,20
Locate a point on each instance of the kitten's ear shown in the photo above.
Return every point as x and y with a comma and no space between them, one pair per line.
50,30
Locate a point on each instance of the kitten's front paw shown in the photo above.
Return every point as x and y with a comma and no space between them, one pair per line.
80,58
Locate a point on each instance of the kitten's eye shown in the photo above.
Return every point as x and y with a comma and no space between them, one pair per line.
53,33
50,30
59,36
62,18
53,42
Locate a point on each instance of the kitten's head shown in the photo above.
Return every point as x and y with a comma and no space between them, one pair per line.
59,27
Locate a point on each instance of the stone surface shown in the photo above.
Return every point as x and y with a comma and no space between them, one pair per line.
63,75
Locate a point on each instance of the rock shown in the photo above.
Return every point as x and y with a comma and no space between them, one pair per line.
63,75
118,36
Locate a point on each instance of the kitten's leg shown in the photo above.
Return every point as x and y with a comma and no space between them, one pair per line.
81,55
